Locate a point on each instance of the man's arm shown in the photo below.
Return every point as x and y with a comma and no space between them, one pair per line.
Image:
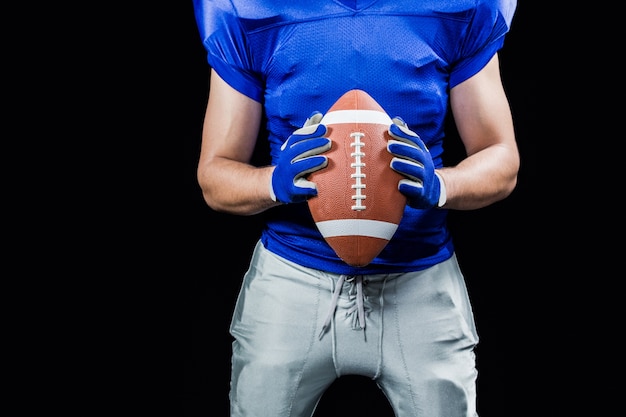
231,125
484,122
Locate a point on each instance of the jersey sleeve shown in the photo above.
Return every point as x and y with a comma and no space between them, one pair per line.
225,42
485,36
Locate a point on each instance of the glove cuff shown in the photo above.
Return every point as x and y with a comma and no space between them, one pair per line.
271,188
443,197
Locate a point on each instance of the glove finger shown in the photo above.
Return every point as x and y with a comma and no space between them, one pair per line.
310,131
418,196
302,189
413,170
405,150
304,133
414,191
398,121
305,166
403,134
313,119
411,188
302,185
309,147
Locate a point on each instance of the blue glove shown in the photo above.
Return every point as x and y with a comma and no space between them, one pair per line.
422,187
299,157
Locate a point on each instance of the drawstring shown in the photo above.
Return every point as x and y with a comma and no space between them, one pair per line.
359,307
359,304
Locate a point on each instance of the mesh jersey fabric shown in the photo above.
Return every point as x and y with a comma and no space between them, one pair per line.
299,57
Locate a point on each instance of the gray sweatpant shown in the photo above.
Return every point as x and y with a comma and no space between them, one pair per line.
297,329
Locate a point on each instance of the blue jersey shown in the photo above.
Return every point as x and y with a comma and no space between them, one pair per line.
297,57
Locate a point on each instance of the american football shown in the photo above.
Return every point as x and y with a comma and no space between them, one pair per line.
358,206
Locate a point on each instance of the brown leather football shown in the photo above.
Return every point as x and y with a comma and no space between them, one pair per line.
358,206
